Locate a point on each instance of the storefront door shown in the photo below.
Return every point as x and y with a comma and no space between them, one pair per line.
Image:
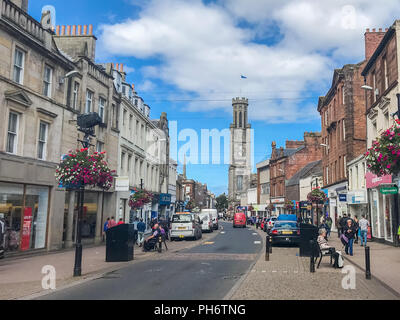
387,210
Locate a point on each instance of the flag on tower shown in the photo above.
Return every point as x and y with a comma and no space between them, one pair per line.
243,77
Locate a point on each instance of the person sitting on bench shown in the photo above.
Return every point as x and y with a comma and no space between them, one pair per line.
151,241
325,247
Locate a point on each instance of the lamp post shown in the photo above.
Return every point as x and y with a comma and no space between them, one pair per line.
86,124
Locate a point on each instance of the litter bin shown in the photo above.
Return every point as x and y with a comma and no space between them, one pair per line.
307,232
120,241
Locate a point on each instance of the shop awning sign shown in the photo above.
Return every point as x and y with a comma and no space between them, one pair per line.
343,197
389,190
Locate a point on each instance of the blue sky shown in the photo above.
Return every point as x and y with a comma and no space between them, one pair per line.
186,58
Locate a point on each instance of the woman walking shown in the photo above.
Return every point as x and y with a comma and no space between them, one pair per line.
348,232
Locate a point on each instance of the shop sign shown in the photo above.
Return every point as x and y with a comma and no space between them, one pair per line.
279,200
122,184
375,181
332,202
343,197
357,197
165,199
389,190
26,229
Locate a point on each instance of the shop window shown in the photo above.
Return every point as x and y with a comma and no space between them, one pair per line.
89,215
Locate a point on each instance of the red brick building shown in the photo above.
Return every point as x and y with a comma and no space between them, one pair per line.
285,162
343,124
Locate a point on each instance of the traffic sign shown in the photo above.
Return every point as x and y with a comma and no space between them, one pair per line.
389,190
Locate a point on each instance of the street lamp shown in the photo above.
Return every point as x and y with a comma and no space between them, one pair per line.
86,124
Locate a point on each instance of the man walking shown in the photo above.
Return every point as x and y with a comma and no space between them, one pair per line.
363,225
342,223
105,228
141,227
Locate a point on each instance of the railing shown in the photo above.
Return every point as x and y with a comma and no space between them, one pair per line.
15,15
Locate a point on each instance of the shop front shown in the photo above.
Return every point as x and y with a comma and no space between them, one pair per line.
24,211
279,204
381,193
337,207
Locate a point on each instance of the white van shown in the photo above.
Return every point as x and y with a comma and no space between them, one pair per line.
214,214
185,225
206,221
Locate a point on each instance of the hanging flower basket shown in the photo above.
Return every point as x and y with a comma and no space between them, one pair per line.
79,168
140,198
250,208
383,158
288,205
317,196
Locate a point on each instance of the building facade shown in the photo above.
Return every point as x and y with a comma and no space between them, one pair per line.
381,73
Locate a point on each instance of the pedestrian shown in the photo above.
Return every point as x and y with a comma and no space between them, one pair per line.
111,223
363,227
349,231
120,221
356,225
257,222
105,228
329,226
342,223
141,227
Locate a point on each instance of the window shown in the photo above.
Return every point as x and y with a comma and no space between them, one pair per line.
48,72
374,85
102,105
239,183
345,166
123,117
89,100
374,129
385,70
343,96
130,125
75,95
42,142
122,160
344,130
240,119
99,146
129,162
387,121
19,60
12,137
327,175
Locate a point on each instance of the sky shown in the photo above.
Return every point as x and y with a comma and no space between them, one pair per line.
186,58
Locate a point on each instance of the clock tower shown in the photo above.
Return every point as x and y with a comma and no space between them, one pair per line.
240,152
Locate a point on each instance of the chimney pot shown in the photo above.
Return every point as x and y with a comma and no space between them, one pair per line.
91,29
380,29
68,30
79,30
58,30
73,30
367,29
63,30
122,67
373,30
85,30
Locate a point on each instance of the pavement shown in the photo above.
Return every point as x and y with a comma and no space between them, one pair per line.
21,277
384,261
286,276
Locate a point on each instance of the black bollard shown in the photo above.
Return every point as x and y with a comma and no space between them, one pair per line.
267,248
367,264
312,261
270,244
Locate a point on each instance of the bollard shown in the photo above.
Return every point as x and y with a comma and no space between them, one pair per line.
312,261
270,244
367,264
267,249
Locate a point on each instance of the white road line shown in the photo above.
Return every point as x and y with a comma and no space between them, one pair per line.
257,242
263,271
254,234
222,232
274,271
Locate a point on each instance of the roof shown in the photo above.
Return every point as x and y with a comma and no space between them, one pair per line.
312,167
289,152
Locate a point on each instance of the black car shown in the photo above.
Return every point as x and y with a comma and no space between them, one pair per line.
285,232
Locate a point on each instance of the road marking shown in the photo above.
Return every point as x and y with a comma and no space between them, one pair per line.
222,232
274,271
257,242
254,234
263,271
208,242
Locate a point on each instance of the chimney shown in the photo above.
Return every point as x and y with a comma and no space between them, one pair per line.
372,40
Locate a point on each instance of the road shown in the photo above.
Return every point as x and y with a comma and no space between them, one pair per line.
207,271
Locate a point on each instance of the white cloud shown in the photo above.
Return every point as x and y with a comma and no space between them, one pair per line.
201,49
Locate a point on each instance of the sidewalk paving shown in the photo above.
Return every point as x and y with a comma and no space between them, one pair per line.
22,277
287,277
384,260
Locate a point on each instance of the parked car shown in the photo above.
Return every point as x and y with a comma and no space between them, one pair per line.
185,225
285,232
239,220
214,214
270,224
287,217
206,222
